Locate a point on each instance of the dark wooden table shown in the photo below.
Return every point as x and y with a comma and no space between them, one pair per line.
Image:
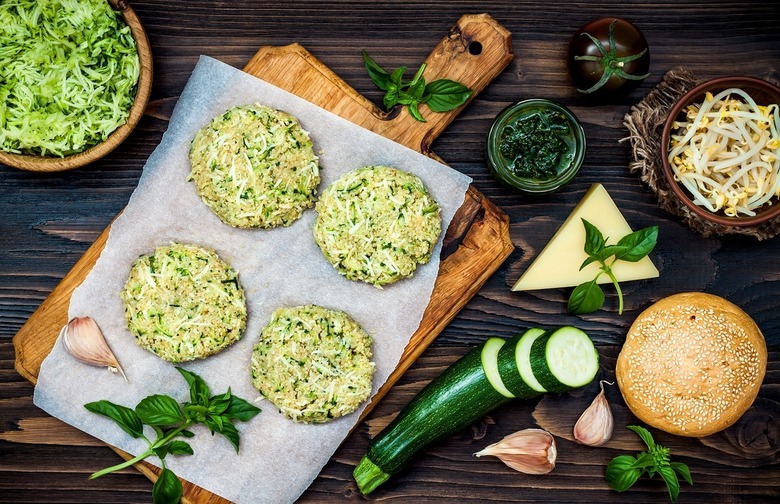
47,221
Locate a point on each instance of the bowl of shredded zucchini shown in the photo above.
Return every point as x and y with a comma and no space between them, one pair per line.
722,155
75,78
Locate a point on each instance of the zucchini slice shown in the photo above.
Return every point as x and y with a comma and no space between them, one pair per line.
489,359
564,359
523,358
509,367
455,399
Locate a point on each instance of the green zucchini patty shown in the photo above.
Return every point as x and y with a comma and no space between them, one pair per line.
376,224
313,363
183,302
255,167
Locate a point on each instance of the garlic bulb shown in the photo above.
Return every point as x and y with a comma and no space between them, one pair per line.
530,451
82,338
594,428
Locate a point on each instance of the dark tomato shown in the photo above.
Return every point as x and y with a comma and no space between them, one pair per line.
613,65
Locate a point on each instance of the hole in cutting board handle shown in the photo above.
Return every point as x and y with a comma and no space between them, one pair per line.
475,48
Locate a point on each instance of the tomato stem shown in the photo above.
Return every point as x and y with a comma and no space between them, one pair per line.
611,63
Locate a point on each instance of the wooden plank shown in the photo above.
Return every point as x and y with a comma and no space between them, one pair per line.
474,52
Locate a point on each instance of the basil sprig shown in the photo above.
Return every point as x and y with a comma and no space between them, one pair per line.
441,95
589,297
169,420
624,470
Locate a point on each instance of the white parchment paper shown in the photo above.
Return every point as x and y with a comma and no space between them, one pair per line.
281,267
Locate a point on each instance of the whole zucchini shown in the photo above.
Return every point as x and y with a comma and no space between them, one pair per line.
472,387
457,398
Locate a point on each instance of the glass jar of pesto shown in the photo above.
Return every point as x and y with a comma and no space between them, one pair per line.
536,146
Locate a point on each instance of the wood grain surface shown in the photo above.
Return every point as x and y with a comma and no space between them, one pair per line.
49,221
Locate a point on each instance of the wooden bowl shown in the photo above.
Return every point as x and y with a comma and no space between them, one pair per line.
763,93
55,163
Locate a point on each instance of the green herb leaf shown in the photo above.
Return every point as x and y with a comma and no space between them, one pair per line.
391,97
167,489
594,239
414,111
199,391
644,434
638,244
632,247
682,470
672,483
125,417
397,76
230,432
586,298
159,410
169,420
443,95
621,473
239,409
180,448
624,470
174,447
218,404
609,251
377,74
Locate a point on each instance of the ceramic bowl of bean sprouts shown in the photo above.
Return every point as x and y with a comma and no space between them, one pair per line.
722,155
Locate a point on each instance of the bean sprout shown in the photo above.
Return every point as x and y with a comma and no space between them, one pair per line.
727,153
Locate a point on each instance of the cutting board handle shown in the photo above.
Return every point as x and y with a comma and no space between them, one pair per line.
474,51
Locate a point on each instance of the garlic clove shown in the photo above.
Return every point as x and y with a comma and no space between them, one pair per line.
82,338
594,427
530,451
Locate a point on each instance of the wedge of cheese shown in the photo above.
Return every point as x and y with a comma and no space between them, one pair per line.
558,264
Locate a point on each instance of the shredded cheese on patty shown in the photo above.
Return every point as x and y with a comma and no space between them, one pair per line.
255,167
376,224
183,302
313,363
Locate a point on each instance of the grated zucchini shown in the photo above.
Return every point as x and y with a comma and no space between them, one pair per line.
68,75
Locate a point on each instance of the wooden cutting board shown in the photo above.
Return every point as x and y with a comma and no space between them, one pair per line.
477,241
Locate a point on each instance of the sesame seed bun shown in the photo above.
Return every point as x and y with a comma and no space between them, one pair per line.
692,364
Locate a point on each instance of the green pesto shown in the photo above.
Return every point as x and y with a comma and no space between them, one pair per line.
538,144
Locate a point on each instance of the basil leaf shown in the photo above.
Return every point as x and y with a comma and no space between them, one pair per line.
175,447
609,251
180,448
124,417
587,261
644,434
638,244
218,404
586,298
230,432
672,483
397,76
391,97
377,74
215,423
159,410
167,489
621,473
683,471
414,111
443,95
594,240
239,409
199,391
